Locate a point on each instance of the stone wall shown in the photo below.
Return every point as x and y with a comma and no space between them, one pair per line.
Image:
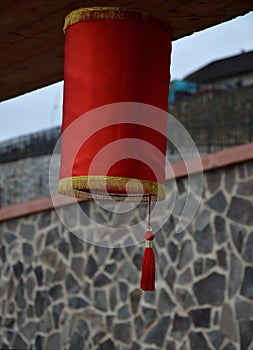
58,292
24,166
25,179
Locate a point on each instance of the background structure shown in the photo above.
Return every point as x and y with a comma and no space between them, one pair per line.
58,292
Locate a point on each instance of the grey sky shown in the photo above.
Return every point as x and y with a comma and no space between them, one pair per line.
41,109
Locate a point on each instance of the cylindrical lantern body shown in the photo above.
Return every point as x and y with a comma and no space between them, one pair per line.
114,57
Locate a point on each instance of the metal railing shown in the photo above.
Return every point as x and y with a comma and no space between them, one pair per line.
216,119
32,145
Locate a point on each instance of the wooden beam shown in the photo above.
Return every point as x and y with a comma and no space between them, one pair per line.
31,37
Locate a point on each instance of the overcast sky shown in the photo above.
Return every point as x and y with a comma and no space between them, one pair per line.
41,109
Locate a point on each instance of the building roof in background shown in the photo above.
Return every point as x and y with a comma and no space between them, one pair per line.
224,68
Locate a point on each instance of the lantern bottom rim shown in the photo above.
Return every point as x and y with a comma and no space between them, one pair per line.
111,188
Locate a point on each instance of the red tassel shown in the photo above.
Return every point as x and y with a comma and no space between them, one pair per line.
148,264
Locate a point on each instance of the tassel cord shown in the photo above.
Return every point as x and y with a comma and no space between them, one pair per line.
148,261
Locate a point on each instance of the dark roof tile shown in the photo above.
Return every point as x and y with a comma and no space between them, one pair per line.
224,68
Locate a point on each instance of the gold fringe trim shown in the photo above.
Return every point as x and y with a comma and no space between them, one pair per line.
88,187
110,13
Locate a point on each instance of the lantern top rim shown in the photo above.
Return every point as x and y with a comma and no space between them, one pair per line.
99,13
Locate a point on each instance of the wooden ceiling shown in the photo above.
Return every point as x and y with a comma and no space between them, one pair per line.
31,43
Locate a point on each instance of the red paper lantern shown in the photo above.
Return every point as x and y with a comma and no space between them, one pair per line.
113,56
